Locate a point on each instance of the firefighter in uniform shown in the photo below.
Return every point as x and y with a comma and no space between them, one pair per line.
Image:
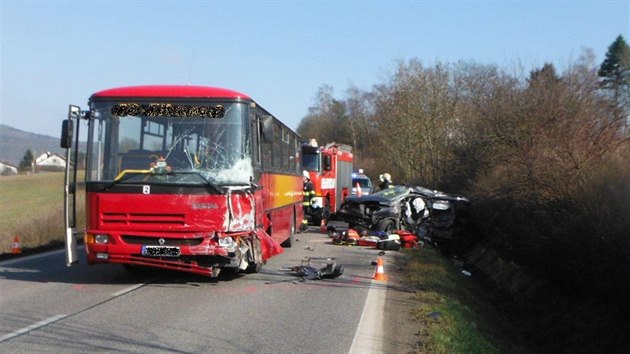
309,197
386,181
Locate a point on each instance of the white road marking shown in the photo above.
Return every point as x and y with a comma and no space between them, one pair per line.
36,256
29,258
32,327
134,287
369,336
129,289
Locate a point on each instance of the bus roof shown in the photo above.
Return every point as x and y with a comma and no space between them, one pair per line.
170,91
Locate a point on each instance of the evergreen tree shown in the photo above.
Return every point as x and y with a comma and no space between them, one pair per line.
27,161
615,72
545,76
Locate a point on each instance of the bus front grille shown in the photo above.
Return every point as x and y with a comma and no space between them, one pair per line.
142,219
166,241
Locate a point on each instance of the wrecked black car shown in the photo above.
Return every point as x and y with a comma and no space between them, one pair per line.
427,213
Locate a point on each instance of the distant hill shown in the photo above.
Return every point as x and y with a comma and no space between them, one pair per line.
15,142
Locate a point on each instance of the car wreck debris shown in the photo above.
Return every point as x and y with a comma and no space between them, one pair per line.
406,211
308,272
342,235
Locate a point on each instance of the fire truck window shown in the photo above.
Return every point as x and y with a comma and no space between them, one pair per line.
310,161
327,163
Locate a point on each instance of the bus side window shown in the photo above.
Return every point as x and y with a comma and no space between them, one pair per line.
298,156
278,146
254,140
291,153
266,152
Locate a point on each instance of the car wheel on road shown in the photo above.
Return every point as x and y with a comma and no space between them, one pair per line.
386,226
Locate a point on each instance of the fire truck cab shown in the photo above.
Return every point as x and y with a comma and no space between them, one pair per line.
330,171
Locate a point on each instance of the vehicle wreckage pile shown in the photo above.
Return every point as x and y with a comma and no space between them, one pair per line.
400,216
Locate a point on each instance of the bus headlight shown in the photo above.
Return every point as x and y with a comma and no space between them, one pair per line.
226,242
91,239
101,239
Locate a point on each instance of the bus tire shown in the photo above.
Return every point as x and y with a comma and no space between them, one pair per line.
256,262
288,243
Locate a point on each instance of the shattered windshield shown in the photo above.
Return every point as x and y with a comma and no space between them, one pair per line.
170,142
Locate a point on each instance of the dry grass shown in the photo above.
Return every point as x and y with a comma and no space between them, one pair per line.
31,207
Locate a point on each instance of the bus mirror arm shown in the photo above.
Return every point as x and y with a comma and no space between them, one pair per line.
254,185
67,126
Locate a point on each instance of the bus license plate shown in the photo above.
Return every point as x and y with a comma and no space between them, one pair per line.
160,251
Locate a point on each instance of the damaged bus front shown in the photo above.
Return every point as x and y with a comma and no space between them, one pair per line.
174,180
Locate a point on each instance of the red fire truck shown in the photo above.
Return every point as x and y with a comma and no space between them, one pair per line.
330,170
188,178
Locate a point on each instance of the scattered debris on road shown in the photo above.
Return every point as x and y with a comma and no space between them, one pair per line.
308,272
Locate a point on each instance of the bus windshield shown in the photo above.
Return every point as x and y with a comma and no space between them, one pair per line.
169,142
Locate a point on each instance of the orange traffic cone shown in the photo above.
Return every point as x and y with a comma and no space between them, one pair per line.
379,274
322,225
359,192
16,248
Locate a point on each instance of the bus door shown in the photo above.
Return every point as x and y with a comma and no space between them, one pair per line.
70,135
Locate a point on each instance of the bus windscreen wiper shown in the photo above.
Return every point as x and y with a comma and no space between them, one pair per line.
198,173
125,175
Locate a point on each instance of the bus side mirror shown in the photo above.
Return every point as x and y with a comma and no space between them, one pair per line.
67,130
267,128
327,163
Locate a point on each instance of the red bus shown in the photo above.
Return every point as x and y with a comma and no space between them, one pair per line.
188,178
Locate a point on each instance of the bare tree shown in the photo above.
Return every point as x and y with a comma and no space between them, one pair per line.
415,123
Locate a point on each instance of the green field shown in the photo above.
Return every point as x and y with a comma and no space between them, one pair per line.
31,207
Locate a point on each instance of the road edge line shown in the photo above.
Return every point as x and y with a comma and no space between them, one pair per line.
369,335
32,327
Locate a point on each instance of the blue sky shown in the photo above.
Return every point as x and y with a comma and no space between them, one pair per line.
54,53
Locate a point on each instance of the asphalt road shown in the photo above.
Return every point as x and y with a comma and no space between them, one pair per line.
48,307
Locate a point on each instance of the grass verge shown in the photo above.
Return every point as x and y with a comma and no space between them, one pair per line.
31,207
455,314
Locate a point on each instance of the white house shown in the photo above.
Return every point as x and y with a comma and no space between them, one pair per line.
49,159
7,169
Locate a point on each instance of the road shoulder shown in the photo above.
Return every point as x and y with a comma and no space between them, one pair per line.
400,325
